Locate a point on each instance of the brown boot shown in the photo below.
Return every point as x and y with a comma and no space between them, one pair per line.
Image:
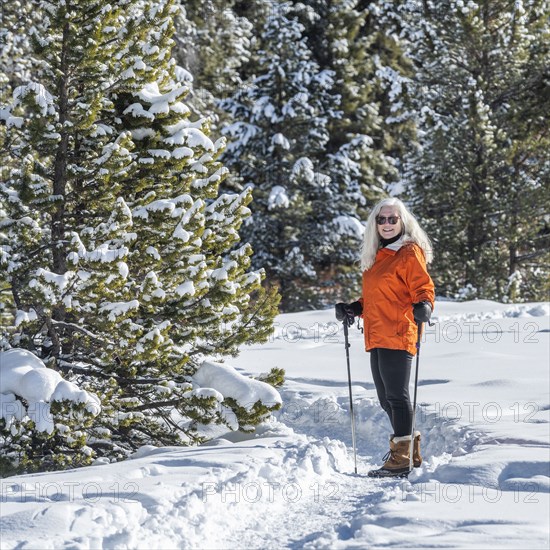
399,453
417,457
398,459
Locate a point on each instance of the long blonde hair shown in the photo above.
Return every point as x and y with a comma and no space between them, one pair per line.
412,232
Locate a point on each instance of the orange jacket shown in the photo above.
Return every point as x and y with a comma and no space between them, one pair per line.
396,281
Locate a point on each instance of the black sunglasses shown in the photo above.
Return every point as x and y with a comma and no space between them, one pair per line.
381,220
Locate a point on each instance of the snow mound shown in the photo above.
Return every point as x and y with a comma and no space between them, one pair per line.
230,383
482,310
25,376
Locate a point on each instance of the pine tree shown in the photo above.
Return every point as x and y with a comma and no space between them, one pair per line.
279,133
479,177
366,121
213,43
15,17
15,20
120,253
359,42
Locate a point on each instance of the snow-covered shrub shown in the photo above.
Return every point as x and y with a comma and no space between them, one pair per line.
43,417
244,402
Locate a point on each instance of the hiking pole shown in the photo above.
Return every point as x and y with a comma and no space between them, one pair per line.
419,326
350,394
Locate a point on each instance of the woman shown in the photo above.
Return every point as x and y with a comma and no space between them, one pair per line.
397,294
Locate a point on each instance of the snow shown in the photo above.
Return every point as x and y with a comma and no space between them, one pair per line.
182,152
10,120
185,289
159,205
349,225
280,139
152,251
182,74
104,254
181,234
230,383
278,198
484,412
183,134
159,153
304,167
222,273
142,133
123,269
25,316
116,309
159,102
24,376
43,98
61,281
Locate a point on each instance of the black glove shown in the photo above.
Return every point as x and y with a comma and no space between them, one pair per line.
347,312
422,312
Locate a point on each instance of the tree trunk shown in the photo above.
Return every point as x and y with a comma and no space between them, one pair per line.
59,251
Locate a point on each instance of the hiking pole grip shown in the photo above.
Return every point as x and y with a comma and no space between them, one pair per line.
350,396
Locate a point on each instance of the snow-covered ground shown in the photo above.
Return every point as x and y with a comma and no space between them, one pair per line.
484,411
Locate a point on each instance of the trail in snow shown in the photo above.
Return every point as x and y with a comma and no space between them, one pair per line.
484,411
286,489
279,489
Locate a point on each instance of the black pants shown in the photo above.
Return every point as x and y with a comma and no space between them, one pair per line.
391,371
